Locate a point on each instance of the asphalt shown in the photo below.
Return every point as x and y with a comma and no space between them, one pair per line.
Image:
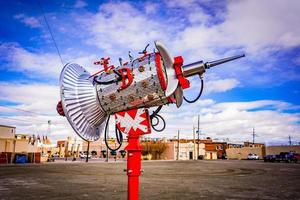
222,179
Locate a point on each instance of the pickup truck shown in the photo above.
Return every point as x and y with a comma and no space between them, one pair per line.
283,156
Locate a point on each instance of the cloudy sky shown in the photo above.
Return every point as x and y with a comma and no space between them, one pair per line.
261,90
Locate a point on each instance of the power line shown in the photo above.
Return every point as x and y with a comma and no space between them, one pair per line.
22,110
29,121
49,29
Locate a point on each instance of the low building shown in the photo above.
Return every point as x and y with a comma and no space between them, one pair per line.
98,148
241,151
274,150
13,145
69,147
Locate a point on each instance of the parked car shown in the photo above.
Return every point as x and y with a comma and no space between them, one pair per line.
270,158
252,156
283,156
296,157
83,155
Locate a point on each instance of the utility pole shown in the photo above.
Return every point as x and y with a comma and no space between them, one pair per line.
198,131
194,140
87,153
178,146
290,140
253,136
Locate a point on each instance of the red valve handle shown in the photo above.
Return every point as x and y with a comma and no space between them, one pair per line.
126,74
105,63
59,109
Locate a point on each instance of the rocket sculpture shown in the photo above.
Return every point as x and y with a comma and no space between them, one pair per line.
127,91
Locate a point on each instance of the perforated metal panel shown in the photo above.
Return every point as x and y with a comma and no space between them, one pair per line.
145,91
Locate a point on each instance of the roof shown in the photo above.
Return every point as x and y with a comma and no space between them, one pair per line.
7,126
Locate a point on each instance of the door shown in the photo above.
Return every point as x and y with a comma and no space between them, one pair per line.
191,155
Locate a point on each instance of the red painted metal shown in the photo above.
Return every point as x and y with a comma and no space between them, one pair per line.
184,83
105,63
160,73
127,77
135,123
59,109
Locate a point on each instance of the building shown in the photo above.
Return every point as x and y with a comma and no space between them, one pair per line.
250,144
241,151
98,148
273,150
7,138
188,149
14,145
69,147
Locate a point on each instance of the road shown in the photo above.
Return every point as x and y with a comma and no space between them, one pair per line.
222,179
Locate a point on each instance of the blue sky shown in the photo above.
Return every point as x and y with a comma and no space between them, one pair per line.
261,90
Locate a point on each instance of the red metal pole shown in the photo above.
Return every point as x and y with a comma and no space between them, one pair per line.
134,130
133,165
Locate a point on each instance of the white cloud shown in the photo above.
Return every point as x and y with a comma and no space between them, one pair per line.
37,63
234,120
263,24
40,98
80,4
221,85
40,101
32,22
120,25
252,25
40,64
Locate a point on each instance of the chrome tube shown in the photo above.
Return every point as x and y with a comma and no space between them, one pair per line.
198,68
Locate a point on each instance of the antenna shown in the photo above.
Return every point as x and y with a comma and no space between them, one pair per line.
290,140
253,135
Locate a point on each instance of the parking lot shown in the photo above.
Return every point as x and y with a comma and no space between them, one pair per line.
227,179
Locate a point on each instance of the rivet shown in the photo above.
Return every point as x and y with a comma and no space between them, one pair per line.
131,97
150,97
145,84
141,68
112,97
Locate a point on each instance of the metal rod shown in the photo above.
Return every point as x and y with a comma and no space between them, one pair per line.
198,68
221,61
178,145
198,130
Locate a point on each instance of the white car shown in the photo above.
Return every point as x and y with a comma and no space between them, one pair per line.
83,155
252,156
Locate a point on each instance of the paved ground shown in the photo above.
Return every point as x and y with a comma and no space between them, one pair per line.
161,180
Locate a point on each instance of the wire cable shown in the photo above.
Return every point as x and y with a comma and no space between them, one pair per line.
158,117
49,29
119,137
199,95
27,111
